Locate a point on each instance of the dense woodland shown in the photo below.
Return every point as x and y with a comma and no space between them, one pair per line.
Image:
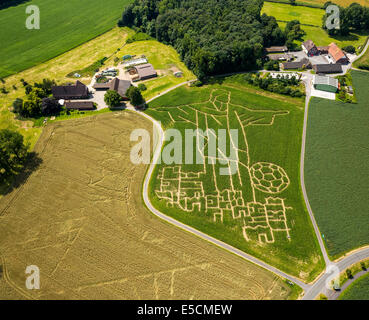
353,18
211,36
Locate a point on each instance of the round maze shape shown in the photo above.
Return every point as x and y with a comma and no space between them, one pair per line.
269,178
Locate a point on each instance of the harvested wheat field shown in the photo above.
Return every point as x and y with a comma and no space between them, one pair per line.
80,219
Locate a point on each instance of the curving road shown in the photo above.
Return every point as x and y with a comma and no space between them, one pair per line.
311,290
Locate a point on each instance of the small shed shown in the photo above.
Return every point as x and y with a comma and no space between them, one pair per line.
177,73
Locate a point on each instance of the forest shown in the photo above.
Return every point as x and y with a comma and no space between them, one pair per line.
211,36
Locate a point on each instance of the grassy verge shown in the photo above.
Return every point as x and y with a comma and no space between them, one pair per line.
358,290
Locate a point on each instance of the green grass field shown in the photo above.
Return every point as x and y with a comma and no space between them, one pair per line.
337,166
63,26
311,18
285,12
359,290
278,231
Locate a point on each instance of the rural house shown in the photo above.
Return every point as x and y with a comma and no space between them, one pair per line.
310,48
76,91
120,86
297,65
325,83
328,68
337,55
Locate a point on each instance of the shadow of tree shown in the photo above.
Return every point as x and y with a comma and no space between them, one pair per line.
33,162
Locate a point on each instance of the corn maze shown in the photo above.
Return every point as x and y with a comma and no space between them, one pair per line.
251,198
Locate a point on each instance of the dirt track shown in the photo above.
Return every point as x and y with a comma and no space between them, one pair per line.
81,220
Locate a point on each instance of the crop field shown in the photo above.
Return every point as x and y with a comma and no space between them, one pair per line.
61,29
80,218
344,3
311,20
359,290
258,207
337,167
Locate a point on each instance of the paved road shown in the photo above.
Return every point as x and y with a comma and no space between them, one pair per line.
311,290
307,79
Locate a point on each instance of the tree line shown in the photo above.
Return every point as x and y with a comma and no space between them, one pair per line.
211,36
354,18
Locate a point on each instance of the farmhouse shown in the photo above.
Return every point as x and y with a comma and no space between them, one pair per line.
327,68
325,83
337,55
120,86
76,91
79,105
297,65
143,72
276,49
310,48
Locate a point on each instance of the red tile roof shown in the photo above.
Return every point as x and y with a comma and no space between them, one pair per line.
336,52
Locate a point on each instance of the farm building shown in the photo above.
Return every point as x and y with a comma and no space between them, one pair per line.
134,62
325,83
297,65
144,72
328,68
310,48
323,50
120,86
337,55
280,57
79,105
275,49
72,91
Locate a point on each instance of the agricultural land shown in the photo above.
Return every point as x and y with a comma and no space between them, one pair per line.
61,29
80,218
311,21
59,68
320,3
259,209
337,166
359,290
